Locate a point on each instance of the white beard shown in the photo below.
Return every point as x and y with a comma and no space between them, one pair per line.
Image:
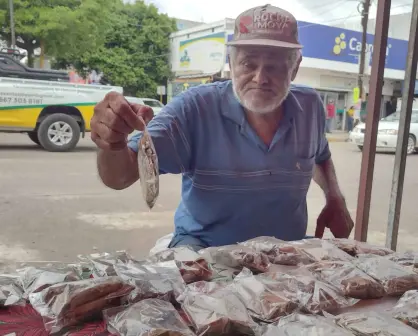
261,107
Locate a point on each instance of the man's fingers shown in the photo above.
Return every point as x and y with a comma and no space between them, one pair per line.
320,228
115,122
122,108
102,144
107,134
145,112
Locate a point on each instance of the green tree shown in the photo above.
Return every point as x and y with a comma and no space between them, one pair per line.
135,53
57,26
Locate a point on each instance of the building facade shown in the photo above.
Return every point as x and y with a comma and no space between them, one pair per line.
330,60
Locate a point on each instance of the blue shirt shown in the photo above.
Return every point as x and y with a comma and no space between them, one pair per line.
234,186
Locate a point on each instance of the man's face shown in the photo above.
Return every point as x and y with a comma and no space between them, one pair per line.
261,77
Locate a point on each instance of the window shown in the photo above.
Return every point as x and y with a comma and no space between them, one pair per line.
153,103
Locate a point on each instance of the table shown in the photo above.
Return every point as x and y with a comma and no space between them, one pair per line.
25,321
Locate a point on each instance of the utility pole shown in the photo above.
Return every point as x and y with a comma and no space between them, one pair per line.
363,8
12,24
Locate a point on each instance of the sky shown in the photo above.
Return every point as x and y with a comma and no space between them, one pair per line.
318,11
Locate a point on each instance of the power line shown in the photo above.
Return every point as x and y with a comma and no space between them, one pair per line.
344,18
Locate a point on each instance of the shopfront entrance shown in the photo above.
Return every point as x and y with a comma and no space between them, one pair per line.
335,107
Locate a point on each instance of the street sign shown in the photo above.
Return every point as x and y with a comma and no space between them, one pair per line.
161,90
356,95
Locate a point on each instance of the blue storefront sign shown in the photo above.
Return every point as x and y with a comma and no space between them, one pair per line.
343,45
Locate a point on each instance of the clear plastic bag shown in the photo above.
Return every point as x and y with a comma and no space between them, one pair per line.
193,267
407,259
11,291
265,298
321,250
304,325
103,263
214,309
236,256
145,318
278,251
148,169
373,324
395,279
350,280
313,296
406,310
354,247
35,279
66,305
162,280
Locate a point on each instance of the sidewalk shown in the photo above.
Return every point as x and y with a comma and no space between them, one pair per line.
337,136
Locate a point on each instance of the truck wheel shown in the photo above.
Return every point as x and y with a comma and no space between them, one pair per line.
34,137
59,133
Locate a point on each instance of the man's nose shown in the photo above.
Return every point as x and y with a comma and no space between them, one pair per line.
261,76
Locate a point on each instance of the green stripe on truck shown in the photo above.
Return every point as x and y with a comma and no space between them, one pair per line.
42,106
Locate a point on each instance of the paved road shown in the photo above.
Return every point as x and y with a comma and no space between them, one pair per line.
53,206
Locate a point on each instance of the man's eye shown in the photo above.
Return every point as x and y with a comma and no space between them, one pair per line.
248,65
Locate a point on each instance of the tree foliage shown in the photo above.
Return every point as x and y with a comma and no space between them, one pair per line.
58,25
127,42
135,53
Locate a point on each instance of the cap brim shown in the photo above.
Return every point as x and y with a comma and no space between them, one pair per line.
265,43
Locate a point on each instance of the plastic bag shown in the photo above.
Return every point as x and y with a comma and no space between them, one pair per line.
148,169
406,310
407,259
236,256
193,267
148,317
35,279
354,247
162,281
69,304
278,251
214,309
266,299
161,244
373,324
11,291
395,279
321,250
103,263
351,281
313,296
304,325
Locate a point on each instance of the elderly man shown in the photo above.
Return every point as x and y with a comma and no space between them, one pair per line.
247,149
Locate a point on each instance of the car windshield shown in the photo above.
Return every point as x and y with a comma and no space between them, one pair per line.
396,116
153,103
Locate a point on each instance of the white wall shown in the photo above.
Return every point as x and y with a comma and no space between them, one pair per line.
186,34
336,81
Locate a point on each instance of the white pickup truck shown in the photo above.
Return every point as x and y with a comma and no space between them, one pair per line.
53,114
43,104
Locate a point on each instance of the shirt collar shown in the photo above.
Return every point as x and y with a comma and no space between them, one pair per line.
233,110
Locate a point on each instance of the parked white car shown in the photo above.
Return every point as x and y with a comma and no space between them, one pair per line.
387,136
155,104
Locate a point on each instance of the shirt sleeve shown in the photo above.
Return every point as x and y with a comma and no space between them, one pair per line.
323,153
170,131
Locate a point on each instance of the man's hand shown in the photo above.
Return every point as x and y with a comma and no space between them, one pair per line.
114,119
336,217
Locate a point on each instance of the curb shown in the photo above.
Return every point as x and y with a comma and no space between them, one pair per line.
335,139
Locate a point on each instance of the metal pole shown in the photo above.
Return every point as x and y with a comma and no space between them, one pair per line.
373,113
403,133
12,24
364,22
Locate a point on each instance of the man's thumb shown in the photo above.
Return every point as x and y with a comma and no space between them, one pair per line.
320,227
